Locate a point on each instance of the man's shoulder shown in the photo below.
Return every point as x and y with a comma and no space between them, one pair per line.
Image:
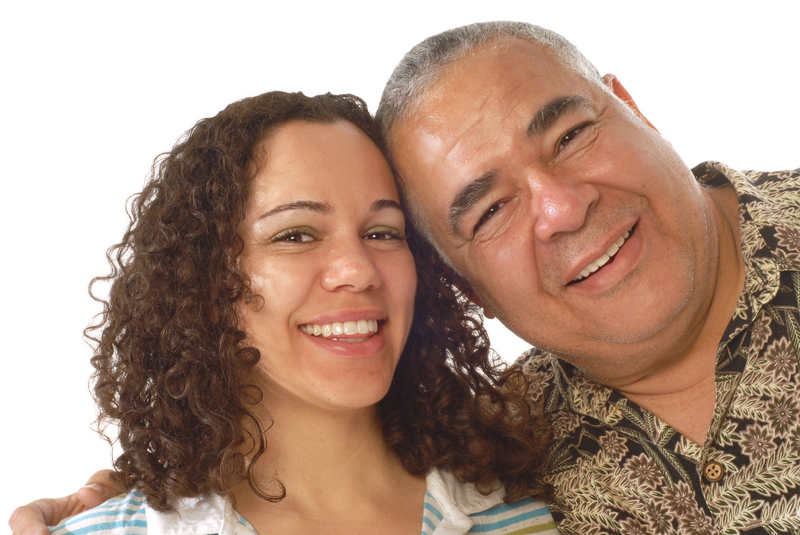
542,370
122,515
536,359
750,185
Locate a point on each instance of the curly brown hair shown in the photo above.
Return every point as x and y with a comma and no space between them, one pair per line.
173,369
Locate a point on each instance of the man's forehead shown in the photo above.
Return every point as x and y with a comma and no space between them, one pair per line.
481,87
449,127
517,57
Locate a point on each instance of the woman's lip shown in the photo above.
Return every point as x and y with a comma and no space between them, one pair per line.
348,329
345,315
367,348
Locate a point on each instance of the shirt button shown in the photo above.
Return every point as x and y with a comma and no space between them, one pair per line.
713,471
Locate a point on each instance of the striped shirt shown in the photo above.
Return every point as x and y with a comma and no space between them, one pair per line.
451,508
455,508
121,515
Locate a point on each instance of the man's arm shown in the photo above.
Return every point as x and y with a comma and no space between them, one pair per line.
33,519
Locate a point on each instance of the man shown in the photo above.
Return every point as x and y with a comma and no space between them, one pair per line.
577,225
672,392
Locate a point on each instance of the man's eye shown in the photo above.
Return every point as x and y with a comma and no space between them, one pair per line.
570,136
487,215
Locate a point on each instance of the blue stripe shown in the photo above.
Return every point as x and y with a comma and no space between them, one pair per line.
482,528
109,525
428,522
121,511
434,511
131,497
505,507
92,513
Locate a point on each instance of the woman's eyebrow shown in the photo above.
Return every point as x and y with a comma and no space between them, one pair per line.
382,204
325,208
314,206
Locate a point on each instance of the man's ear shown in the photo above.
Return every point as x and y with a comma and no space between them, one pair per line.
465,288
618,89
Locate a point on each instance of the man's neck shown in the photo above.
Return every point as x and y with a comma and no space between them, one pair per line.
684,394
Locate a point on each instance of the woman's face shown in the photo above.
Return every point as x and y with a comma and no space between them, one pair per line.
325,248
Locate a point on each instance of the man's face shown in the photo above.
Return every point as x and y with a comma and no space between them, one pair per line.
575,222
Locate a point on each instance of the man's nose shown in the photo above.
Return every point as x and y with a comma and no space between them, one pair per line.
559,206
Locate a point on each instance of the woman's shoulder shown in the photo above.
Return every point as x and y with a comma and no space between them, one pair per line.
462,506
130,515
123,515
525,515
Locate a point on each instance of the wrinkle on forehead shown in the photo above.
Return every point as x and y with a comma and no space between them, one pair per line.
487,116
480,112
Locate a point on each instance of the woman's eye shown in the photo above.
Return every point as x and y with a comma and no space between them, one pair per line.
384,234
294,236
570,136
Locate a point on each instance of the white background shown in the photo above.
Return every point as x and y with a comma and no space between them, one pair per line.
91,92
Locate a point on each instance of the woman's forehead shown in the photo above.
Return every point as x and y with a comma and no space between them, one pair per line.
321,162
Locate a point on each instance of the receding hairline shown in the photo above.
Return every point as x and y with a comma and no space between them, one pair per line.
428,62
439,86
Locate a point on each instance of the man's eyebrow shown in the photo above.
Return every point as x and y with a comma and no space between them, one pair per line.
314,206
547,116
467,198
544,119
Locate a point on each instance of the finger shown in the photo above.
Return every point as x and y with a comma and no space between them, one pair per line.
28,520
33,519
98,489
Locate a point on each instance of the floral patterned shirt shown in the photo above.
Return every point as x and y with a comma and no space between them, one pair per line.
617,468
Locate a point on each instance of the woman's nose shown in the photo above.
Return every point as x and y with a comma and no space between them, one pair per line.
350,267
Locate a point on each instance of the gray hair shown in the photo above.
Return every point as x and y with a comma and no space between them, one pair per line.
424,64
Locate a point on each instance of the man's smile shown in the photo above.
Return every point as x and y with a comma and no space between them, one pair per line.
605,258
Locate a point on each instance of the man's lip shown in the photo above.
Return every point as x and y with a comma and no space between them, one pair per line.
587,258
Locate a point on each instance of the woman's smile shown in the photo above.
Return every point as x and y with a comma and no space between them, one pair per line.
325,250
343,330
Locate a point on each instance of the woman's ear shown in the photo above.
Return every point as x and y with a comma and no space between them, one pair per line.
619,90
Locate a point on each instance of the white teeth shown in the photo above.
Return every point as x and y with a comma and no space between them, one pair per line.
339,328
604,258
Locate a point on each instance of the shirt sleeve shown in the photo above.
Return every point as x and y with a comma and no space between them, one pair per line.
123,515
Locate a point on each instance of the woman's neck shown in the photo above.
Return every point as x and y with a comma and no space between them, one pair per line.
337,471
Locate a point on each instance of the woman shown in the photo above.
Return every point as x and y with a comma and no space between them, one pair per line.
272,351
